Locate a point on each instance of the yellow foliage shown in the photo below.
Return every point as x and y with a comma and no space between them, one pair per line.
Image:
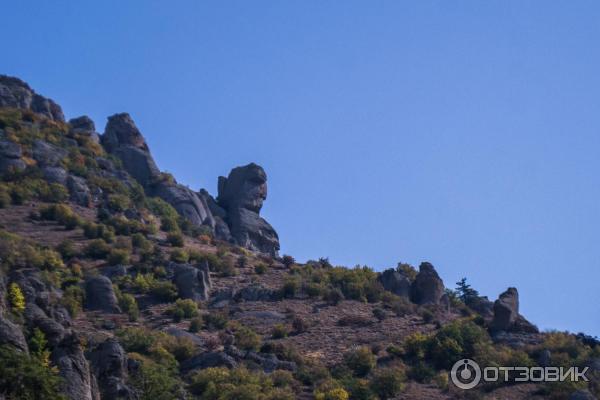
16,298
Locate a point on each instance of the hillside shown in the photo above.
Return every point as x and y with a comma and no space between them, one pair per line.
118,282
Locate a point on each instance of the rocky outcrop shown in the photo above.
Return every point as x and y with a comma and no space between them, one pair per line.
46,154
428,287
84,126
11,334
193,282
185,201
209,360
10,155
78,382
109,365
396,282
241,195
506,314
99,295
17,94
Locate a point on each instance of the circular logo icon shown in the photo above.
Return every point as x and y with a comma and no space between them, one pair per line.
465,374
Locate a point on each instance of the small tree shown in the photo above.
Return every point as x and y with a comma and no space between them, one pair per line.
16,298
464,291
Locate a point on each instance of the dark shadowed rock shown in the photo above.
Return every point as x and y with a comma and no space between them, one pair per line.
395,282
428,287
123,138
12,334
180,333
241,196
193,282
582,395
10,156
17,94
99,295
109,365
78,382
46,154
185,201
209,360
506,310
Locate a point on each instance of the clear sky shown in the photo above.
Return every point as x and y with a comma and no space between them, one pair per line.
464,133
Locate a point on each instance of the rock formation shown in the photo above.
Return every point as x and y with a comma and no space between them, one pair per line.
506,314
99,295
395,282
17,94
241,195
109,364
428,287
193,282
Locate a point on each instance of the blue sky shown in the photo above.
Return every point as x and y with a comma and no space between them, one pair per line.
464,133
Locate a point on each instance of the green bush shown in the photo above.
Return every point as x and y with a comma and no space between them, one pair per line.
196,324
279,331
164,291
26,377
153,382
247,339
97,249
67,249
216,320
129,306
118,202
73,299
388,382
333,296
260,269
138,340
175,239
5,199
290,288
187,308
61,213
360,361
118,257
179,256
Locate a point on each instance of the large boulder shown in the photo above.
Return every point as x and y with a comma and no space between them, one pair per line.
109,365
123,138
78,382
241,195
506,310
46,154
187,203
79,191
395,282
99,295
10,155
193,282
17,94
12,334
84,126
209,360
428,287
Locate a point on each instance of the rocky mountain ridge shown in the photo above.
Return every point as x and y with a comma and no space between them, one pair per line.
117,282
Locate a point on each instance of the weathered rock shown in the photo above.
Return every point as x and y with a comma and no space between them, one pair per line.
78,382
46,154
545,359
506,310
84,126
270,362
10,156
109,365
55,175
257,292
582,395
193,282
12,334
395,282
79,190
428,287
52,329
114,271
123,138
209,360
17,94
185,201
241,195
482,305
180,333
99,295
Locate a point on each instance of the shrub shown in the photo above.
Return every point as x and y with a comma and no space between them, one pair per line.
354,320
23,376
169,225
279,331
73,299
388,382
138,340
186,308
129,306
333,394
181,347
379,314
299,325
196,324
97,249
290,288
260,269
67,249
118,257
118,202
153,382
164,291
54,193
421,372
179,256
4,197
61,213
333,296
360,361
216,320
247,339
288,260
138,241
175,239
16,298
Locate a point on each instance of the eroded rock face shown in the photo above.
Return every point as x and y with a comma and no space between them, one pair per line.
10,155
11,334
109,365
193,282
395,282
78,382
17,94
85,126
99,295
428,287
241,195
506,310
46,154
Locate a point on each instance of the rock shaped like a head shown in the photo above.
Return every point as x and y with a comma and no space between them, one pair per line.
245,187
